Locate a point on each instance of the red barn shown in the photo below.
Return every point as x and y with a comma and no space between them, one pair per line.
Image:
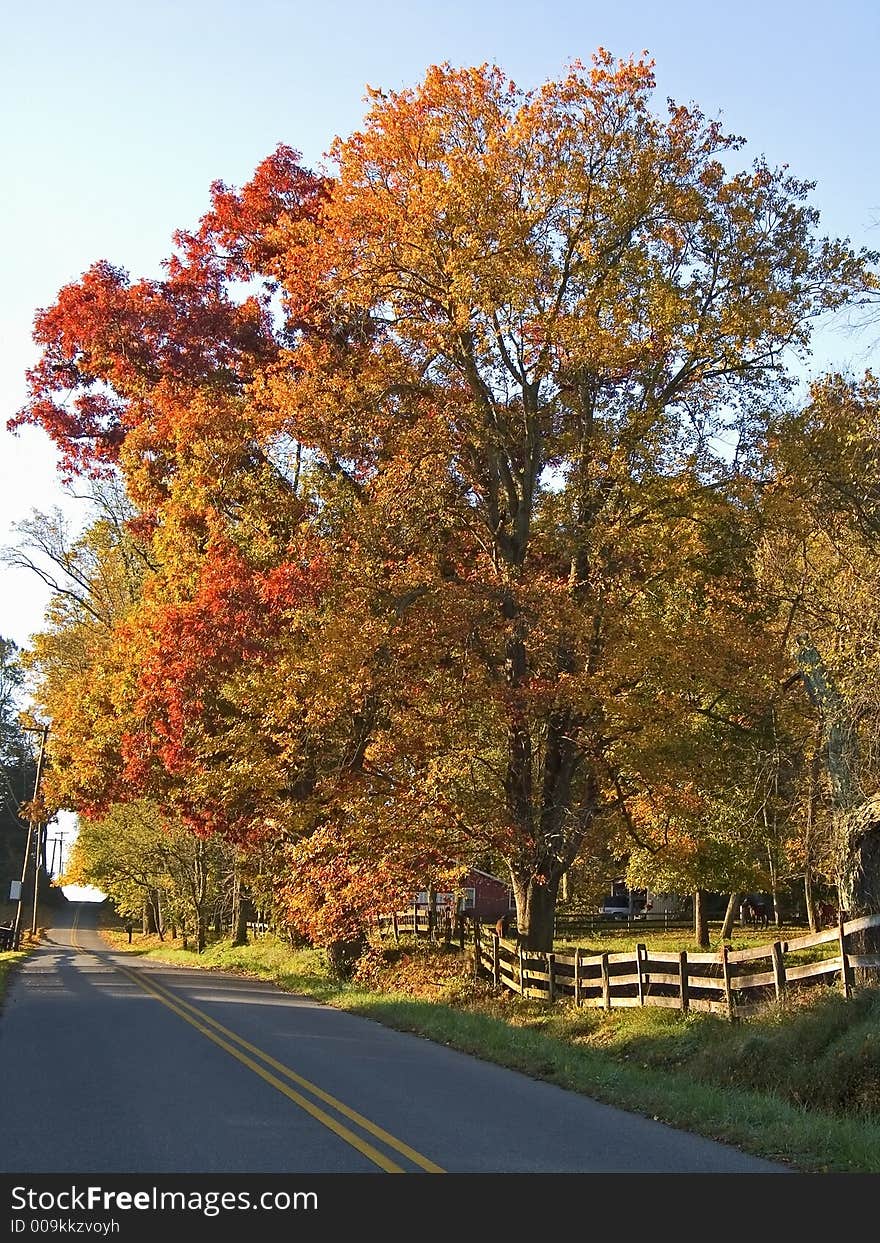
486,896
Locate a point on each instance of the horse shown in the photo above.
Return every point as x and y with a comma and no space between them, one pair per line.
505,924
826,914
756,913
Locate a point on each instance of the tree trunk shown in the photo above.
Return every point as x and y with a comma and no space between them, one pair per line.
149,923
343,955
774,884
239,923
199,889
239,912
810,900
535,912
701,922
859,877
810,832
729,917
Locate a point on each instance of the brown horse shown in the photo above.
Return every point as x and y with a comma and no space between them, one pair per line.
506,924
756,913
826,914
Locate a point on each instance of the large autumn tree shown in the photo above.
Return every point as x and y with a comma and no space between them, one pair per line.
577,313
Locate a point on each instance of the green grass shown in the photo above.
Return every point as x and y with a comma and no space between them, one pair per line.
8,960
624,941
799,1085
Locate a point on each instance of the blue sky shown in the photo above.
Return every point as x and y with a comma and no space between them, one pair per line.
117,116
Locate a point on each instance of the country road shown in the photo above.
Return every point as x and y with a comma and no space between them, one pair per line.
109,1064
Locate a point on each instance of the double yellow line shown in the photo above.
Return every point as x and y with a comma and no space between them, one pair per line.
246,1053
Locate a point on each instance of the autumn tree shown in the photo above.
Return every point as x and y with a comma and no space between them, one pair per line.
119,360
16,763
819,563
576,314
147,863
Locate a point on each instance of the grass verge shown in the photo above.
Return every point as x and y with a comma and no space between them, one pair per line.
799,1085
9,960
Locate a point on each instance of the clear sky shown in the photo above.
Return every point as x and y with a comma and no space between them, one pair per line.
117,116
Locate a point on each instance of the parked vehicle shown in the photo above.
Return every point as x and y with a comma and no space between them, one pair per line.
630,905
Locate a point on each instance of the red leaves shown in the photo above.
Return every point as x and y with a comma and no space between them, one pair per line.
295,582
114,346
196,645
243,232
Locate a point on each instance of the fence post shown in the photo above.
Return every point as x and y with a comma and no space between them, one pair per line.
606,982
577,975
845,970
496,964
725,972
478,949
683,979
551,966
395,927
522,986
641,950
778,970
461,932
416,920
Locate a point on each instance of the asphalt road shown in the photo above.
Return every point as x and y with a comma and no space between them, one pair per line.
113,1065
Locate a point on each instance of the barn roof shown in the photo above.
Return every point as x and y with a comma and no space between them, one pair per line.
489,876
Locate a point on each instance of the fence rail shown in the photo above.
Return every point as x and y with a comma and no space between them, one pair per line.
730,982
567,926
439,925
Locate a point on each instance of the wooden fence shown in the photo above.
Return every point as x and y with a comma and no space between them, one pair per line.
567,927
439,925
730,982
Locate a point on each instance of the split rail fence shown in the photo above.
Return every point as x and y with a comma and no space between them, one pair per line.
439,925
730,982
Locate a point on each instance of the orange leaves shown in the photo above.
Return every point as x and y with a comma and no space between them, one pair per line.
335,882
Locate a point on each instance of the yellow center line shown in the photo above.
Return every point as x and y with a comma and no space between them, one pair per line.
203,1022
378,1132
320,1115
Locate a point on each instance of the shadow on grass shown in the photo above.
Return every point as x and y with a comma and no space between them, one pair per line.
759,1122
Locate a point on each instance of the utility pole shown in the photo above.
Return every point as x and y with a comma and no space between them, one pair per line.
57,844
32,825
39,857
